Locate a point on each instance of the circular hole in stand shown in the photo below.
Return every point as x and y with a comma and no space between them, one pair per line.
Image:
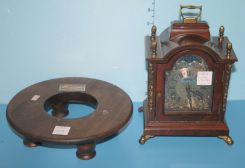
70,105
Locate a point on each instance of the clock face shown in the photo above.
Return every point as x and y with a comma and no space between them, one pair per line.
188,86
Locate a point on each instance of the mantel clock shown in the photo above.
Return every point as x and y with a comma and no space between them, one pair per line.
188,77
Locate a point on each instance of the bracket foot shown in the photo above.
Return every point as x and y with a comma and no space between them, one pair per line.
141,109
144,138
227,139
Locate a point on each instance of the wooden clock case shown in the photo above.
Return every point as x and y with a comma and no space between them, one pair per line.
161,53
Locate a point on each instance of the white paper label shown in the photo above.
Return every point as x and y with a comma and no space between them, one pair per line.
204,77
35,97
61,130
72,87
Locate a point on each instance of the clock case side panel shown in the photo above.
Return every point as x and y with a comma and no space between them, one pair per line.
149,103
228,65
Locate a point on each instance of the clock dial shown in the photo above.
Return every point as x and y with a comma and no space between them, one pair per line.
188,86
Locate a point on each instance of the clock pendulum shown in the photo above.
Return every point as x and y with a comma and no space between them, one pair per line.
188,78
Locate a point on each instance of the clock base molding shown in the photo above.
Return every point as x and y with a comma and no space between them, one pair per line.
186,129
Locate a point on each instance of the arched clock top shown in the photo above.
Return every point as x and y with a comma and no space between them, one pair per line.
209,55
190,36
167,49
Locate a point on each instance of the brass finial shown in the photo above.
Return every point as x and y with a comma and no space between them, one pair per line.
221,35
229,48
153,32
154,49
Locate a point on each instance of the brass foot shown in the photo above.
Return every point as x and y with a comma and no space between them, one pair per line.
227,139
141,109
144,138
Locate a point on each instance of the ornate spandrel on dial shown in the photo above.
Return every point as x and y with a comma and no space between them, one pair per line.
188,86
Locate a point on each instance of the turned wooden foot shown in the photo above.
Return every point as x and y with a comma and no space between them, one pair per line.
227,139
86,151
30,143
141,109
60,110
144,138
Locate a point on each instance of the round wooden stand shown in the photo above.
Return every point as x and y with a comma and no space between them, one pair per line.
28,113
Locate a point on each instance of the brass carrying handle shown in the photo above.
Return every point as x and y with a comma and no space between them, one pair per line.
194,18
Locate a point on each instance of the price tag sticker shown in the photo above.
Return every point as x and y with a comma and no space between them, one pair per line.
204,77
61,130
35,97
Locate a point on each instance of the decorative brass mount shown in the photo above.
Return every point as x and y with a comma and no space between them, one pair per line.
229,48
144,138
153,42
227,139
221,35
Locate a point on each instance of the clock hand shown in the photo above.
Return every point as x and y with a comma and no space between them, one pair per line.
188,91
